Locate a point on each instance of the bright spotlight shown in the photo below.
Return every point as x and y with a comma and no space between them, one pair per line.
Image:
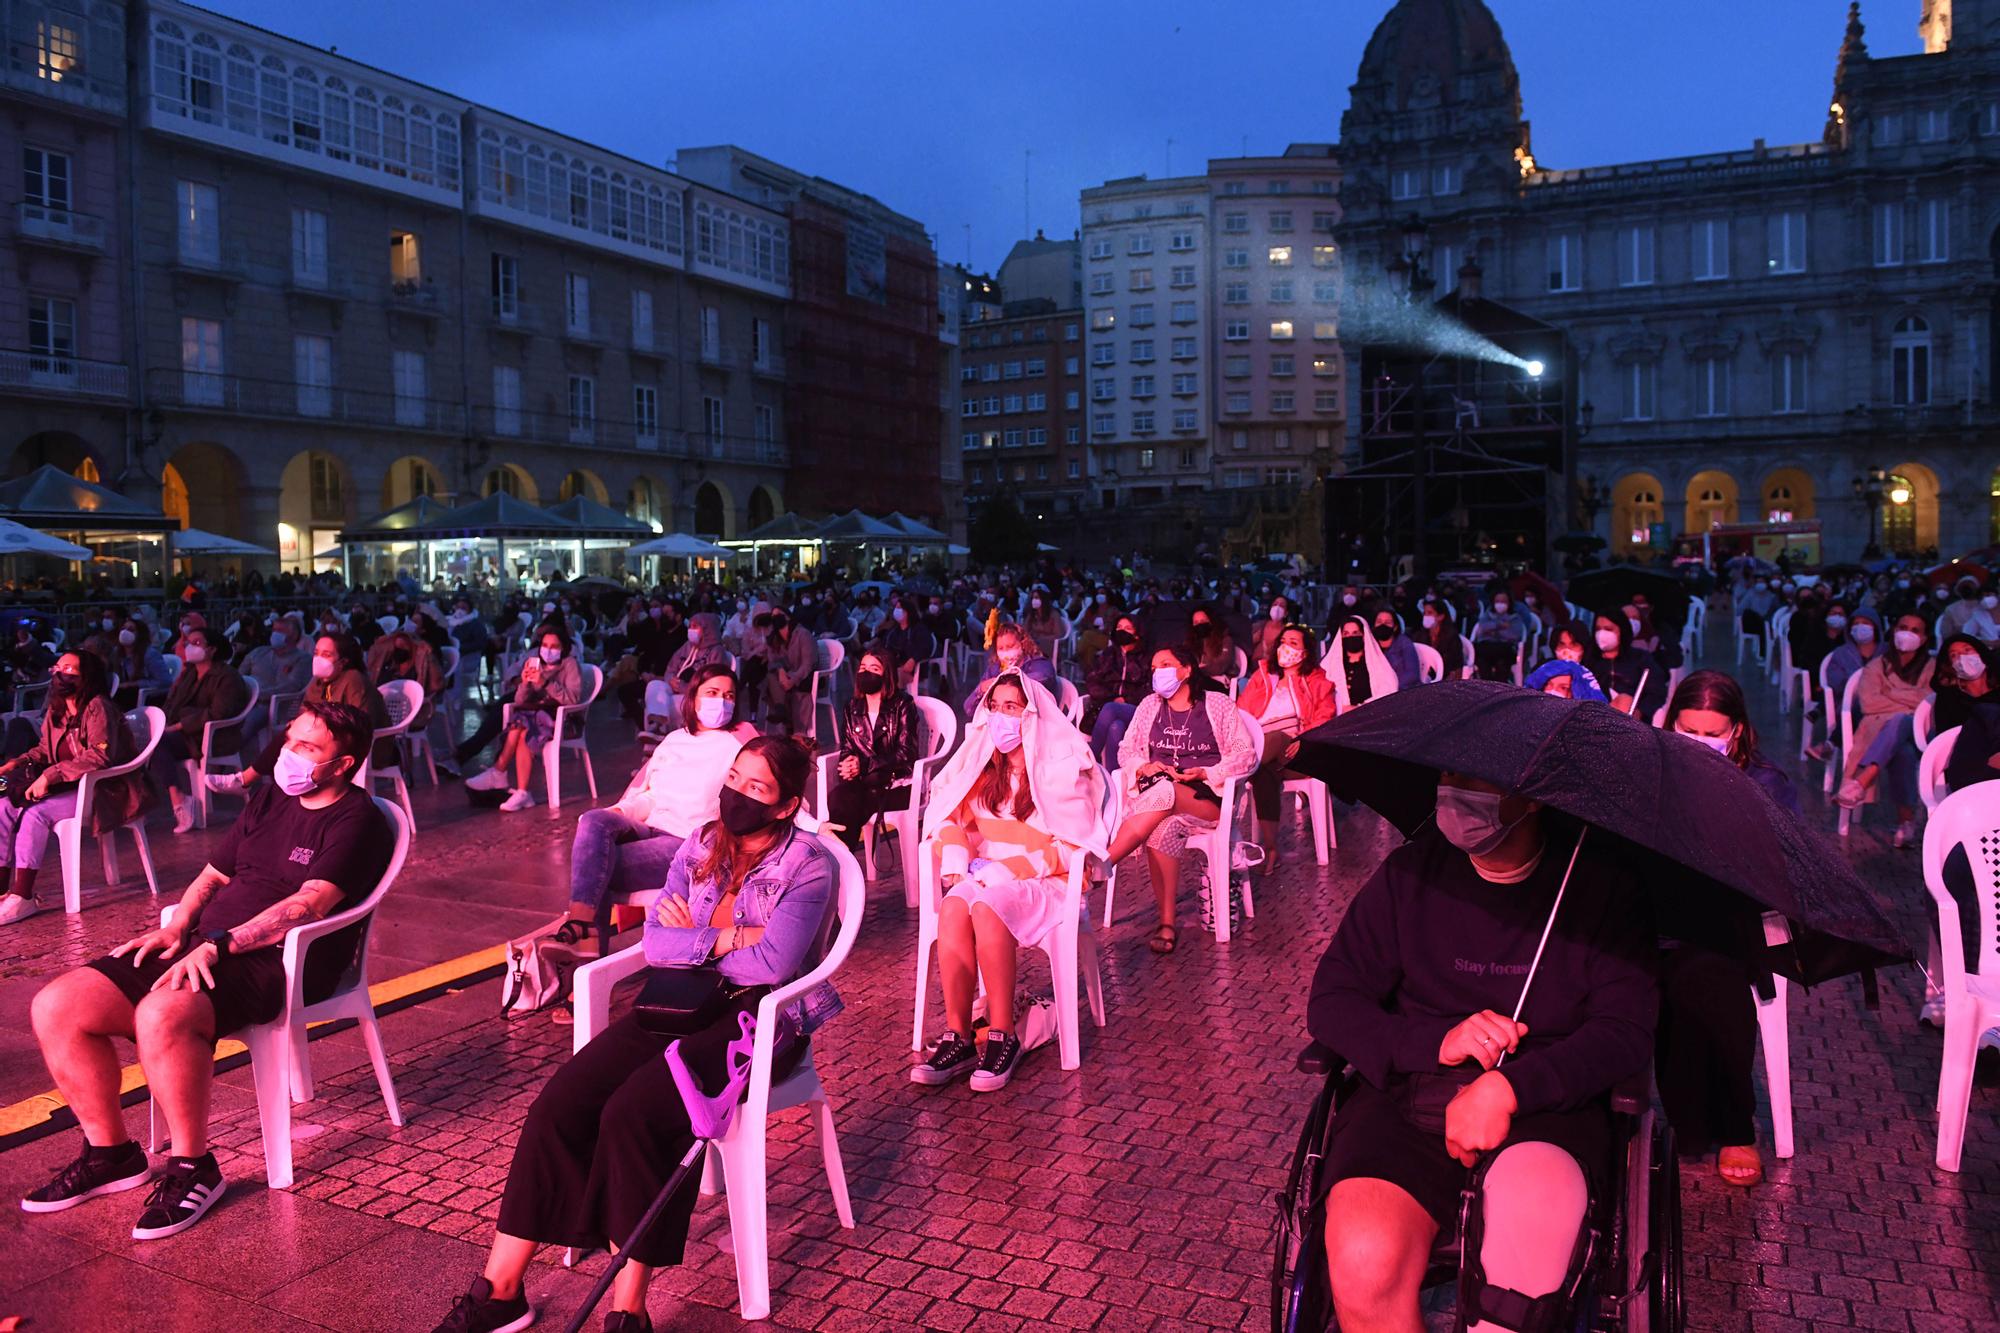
1535,369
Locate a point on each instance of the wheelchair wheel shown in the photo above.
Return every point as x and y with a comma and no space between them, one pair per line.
1667,1300
1300,1302
1649,1256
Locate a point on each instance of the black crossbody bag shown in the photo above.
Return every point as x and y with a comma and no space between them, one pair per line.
681,1001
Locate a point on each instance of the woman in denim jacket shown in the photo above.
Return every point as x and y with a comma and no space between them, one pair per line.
748,894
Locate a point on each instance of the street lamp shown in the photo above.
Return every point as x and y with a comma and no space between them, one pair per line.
1586,417
1869,488
1409,268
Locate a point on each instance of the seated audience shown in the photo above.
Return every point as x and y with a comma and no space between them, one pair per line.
550,679
1287,697
879,743
207,689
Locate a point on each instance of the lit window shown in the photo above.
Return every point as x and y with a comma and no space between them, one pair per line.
1325,256
1280,256
1281,328
58,50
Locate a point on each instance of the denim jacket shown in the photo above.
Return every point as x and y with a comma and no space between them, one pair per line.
790,893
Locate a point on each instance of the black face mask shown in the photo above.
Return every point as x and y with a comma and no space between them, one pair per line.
1352,642
62,685
1124,638
868,682
1384,633
744,815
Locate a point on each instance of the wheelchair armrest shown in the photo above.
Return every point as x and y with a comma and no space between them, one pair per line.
1321,1060
1633,1095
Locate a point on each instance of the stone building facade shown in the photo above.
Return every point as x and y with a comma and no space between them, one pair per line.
1759,331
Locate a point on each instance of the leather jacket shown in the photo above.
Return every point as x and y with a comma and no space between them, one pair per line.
888,750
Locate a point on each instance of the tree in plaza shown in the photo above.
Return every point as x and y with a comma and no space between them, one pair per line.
1001,534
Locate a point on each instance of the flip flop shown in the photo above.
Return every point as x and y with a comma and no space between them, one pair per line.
1165,940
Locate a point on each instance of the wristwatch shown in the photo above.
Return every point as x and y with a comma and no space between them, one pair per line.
220,939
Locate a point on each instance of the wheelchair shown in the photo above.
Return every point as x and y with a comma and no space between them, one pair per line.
1626,1278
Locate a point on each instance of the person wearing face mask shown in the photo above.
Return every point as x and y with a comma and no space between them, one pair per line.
1707,1038
909,639
702,649
184,622
1885,744
1005,813
1358,668
550,679
1497,637
1014,649
1045,622
137,664
405,656
878,748
1287,696
1214,651
745,897
336,676
628,846
81,731
1754,603
1861,639
279,666
1270,627
305,847
1622,669
1962,682
792,655
1186,739
1436,628
1416,990
207,687
1119,678
1387,631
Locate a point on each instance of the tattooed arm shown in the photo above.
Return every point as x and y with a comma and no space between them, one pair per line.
315,899
169,939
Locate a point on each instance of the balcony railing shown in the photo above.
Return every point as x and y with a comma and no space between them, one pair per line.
607,433
517,316
239,395
40,372
417,298
719,358
58,226
772,366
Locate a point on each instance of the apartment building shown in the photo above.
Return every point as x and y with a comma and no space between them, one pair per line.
65,354
1147,323
1277,281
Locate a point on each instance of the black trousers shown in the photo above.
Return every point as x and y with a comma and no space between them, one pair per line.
1706,1043
604,1135
852,804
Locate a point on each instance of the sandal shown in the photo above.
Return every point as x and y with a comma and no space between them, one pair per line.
1744,1161
571,932
1164,940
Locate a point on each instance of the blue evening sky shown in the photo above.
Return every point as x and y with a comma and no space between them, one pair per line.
934,105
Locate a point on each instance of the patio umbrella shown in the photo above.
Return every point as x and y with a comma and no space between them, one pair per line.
1606,589
680,546
1951,572
20,539
1702,837
193,541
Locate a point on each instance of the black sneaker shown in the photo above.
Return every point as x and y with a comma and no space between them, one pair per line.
621,1321
480,1311
187,1188
94,1172
997,1062
952,1058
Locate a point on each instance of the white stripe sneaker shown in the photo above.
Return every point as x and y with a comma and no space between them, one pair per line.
187,1188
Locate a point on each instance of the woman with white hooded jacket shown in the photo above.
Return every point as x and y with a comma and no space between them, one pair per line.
1357,666
1020,797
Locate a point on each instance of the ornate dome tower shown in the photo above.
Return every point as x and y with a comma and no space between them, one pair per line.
1435,69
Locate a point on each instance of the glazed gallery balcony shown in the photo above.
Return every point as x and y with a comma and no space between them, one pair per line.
237,395
62,376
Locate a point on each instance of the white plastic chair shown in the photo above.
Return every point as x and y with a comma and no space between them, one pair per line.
173,665
402,700
939,735
1847,741
70,832
1063,944
658,716
832,655
280,1062
1920,724
1755,640
1218,844
1430,664
1931,785
1471,667
1776,626
1774,1030
1971,819
1697,622
1831,720
211,762
1793,679
738,1162
560,739
389,624
1070,701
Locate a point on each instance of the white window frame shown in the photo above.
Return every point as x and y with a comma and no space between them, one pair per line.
506,400
312,373
582,409
47,178
1887,230
1641,391
646,414
1708,250
1789,384
198,208
1785,240
576,303
1934,231
1911,368
1565,261
410,374
1637,253
1710,386
504,271
309,247
202,361
642,320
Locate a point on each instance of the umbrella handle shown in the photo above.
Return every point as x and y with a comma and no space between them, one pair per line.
1644,676
1547,927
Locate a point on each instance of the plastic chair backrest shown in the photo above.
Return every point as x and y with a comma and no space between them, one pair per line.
1430,664
593,682
1847,694
940,725
1920,723
659,698
402,700
1066,699
832,653
389,624
1971,819
1930,769
173,665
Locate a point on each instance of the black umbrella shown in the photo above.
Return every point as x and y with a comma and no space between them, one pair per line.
1609,589
1701,835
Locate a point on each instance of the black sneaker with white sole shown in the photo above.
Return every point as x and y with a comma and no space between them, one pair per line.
187,1188
997,1062
952,1058
95,1171
480,1311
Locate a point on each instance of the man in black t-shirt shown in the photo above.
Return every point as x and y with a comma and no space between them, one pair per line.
308,845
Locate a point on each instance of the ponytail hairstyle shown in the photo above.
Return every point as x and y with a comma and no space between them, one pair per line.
790,762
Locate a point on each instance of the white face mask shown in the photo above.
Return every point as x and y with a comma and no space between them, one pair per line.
1470,820
1719,744
323,668
294,773
1290,655
551,656
1430,622
1277,613
1908,640
126,638
548,608
694,634
1035,602
1863,632
714,712
108,623
1005,728
1347,599
1836,622
193,653
1166,680
1502,608
1968,666
1607,640
279,638
1989,601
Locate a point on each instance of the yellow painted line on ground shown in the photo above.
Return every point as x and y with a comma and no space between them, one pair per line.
33,1111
